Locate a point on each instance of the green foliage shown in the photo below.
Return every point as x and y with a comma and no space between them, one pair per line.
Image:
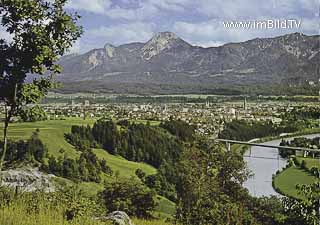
310,204
313,143
209,188
286,181
87,168
140,174
303,211
106,133
81,137
35,113
139,142
41,32
302,114
179,128
285,153
129,196
32,150
164,182
244,131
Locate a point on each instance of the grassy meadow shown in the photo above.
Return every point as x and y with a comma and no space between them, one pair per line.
287,180
310,162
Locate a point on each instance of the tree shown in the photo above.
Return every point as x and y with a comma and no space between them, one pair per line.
41,32
35,149
210,186
129,196
33,114
311,202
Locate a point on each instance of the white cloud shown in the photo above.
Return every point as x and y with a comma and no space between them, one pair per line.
198,22
172,5
145,11
206,44
123,33
138,10
254,9
94,6
213,33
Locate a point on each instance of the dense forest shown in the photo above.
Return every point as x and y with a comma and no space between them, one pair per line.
244,131
87,168
302,114
135,142
159,146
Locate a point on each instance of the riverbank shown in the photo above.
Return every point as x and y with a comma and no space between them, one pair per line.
265,163
301,170
285,182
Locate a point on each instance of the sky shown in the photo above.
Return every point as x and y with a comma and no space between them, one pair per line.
199,22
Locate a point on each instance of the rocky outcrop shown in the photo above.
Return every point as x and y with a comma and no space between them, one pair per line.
27,179
117,217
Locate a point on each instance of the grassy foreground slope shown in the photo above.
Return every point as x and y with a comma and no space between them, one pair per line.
18,214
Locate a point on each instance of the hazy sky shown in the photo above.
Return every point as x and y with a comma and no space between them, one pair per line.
196,21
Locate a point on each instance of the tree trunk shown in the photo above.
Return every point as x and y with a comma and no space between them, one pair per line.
5,138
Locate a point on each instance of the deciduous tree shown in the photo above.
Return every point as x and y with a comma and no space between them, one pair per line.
41,31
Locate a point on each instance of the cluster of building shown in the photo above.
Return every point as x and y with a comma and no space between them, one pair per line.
209,118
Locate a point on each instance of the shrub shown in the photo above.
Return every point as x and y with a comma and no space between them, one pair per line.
129,196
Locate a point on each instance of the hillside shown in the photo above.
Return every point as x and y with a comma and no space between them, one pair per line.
168,64
52,135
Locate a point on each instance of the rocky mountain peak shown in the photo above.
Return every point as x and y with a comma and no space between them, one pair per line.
158,43
167,59
164,36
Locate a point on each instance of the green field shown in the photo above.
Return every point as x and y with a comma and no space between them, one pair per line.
52,134
287,180
310,162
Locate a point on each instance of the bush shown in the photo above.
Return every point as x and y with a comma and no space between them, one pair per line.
315,171
129,196
87,168
32,150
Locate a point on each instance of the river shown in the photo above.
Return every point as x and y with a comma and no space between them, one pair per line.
264,166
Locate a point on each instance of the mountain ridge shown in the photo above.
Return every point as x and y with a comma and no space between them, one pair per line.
167,61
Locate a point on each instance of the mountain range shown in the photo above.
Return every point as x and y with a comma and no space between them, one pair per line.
168,64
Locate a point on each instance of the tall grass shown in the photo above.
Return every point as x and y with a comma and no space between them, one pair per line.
40,208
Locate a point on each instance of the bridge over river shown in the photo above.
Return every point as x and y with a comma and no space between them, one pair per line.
263,160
